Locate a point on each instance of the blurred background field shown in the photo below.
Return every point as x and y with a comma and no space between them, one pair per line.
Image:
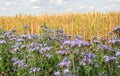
85,24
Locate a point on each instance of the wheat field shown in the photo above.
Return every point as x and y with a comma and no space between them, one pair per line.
87,25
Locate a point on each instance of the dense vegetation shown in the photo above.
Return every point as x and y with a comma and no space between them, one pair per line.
54,53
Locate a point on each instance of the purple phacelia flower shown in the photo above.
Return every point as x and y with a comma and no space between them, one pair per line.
109,58
3,42
28,37
32,70
103,39
14,59
71,43
44,49
87,58
83,63
118,53
88,55
65,63
114,41
116,29
32,49
62,52
104,47
19,63
23,46
78,37
96,41
48,56
16,48
91,55
66,71
20,40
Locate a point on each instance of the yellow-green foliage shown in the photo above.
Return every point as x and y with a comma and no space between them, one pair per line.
87,25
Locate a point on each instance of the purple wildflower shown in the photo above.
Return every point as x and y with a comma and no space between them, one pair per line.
102,39
116,29
96,41
14,59
78,37
32,70
44,49
104,47
20,40
66,71
19,63
114,41
89,55
118,53
23,46
65,63
82,63
2,42
48,56
109,58
32,49
16,48
63,52
88,58
28,37
83,43
71,43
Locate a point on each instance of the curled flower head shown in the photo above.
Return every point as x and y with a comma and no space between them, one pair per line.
83,43
116,29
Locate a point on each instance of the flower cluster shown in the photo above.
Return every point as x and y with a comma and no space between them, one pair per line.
53,52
